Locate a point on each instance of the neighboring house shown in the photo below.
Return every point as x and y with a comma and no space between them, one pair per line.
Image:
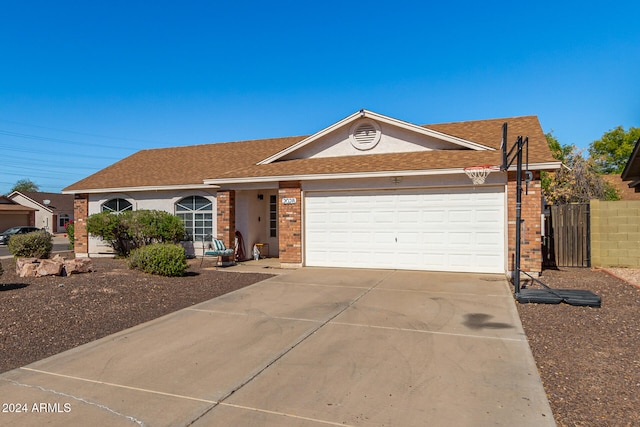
53,210
368,191
13,214
631,171
622,187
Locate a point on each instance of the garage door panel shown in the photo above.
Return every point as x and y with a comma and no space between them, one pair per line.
445,229
460,216
459,239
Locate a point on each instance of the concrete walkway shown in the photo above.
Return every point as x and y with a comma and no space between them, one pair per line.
312,347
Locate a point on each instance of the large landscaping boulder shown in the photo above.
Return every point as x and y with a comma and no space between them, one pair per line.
78,265
57,266
26,267
49,267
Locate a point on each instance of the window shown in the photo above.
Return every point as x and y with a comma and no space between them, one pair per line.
197,216
273,216
117,206
63,220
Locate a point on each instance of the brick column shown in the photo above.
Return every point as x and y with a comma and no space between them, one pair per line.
290,224
80,214
531,233
226,215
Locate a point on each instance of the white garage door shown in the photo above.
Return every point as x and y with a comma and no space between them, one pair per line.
440,230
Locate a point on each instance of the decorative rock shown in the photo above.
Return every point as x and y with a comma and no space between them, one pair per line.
26,267
58,266
28,270
49,267
78,265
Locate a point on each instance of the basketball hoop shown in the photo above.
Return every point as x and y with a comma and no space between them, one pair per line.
479,173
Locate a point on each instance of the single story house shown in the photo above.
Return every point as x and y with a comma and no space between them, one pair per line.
631,170
369,191
53,211
13,214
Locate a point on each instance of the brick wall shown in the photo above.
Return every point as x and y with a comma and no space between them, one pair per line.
226,217
531,233
615,233
290,224
80,214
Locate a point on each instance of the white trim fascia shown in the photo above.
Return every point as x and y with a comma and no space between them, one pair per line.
361,175
349,175
538,166
381,118
141,189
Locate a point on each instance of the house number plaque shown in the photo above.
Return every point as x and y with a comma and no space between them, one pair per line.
289,200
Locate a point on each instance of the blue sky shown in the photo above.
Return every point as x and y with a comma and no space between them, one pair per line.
84,84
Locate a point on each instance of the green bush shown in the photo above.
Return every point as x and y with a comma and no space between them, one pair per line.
31,245
151,226
163,259
70,229
113,229
130,230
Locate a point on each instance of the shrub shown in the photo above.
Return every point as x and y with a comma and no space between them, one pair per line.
163,259
70,229
31,245
152,226
112,229
130,230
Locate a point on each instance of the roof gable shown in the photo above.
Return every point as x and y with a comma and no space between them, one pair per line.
369,133
48,201
212,165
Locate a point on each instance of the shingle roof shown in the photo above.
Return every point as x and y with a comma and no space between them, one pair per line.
57,201
191,165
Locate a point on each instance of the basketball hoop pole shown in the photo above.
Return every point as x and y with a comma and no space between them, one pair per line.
518,146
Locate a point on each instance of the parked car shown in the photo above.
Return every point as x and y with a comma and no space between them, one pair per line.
23,229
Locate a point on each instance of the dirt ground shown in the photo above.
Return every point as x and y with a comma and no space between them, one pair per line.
588,358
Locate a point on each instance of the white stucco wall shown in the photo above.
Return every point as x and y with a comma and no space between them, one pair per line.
393,140
155,200
252,219
43,217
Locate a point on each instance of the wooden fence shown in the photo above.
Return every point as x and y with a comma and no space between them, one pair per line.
567,240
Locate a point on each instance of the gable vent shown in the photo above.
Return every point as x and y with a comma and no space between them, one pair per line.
365,134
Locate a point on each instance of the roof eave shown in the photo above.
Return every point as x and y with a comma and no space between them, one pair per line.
142,189
361,175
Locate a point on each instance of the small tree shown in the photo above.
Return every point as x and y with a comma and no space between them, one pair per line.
113,229
129,230
576,181
152,226
71,233
25,184
611,152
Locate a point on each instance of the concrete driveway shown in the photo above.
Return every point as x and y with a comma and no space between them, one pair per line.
312,347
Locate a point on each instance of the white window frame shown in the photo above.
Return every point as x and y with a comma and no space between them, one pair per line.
196,213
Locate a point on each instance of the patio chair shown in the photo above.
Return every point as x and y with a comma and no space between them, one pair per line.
215,248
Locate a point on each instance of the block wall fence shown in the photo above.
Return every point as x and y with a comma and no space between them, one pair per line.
615,233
